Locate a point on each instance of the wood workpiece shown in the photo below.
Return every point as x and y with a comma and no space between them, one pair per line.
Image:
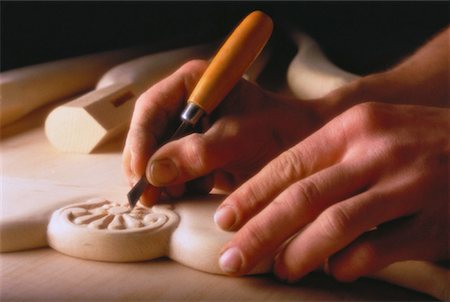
38,180
310,74
27,88
102,230
185,232
89,121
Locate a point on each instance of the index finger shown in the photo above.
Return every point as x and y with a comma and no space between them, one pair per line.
311,155
152,113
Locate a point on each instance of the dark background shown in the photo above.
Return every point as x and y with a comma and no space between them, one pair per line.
359,36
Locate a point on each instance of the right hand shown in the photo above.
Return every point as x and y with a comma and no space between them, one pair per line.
249,128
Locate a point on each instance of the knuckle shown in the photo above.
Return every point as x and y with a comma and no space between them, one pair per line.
343,275
362,260
256,238
192,65
367,109
140,142
141,106
389,146
191,73
137,151
250,196
289,165
248,200
229,126
141,100
135,135
195,152
335,223
365,256
308,192
367,117
298,201
148,112
286,204
144,101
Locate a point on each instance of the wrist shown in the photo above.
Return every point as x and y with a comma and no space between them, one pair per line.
343,98
377,87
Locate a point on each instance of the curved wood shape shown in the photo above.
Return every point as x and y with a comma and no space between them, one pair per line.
107,231
311,75
82,125
27,88
42,184
87,122
103,230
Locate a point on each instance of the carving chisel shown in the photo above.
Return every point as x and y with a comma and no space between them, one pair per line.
223,72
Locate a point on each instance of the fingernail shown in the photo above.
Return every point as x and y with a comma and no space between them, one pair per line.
162,172
225,217
231,261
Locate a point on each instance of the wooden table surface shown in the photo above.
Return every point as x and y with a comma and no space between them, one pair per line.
44,274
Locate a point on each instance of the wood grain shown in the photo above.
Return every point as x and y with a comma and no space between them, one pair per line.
310,74
38,178
25,89
46,275
100,115
93,119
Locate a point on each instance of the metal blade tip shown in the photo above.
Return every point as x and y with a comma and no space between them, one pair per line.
181,131
136,192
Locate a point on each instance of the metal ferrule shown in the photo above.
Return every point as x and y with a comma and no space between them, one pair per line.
192,113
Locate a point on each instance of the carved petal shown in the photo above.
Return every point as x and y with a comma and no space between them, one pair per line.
108,231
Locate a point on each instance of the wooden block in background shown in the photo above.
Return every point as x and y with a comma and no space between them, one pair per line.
24,89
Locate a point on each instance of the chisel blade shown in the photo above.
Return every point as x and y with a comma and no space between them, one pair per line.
139,188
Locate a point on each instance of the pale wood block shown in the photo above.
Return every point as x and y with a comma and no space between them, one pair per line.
24,89
185,232
85,123
310,74
46,275
421,276
94,118
36,180
82,125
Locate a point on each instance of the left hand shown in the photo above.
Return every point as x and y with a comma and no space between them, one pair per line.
368,189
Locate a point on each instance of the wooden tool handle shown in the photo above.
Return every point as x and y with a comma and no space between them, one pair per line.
231,61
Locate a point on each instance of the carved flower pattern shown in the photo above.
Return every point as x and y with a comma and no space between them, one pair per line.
108,215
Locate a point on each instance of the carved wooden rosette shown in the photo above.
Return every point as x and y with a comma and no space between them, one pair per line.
103,230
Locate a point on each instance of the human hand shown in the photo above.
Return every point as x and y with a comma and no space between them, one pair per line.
249,128
368,189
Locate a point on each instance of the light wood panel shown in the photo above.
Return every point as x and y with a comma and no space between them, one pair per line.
27,88
100,115
46,275
36,178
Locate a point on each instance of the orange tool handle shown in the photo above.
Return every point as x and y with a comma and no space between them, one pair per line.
232,60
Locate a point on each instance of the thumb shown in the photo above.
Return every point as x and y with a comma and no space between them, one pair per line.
188,158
